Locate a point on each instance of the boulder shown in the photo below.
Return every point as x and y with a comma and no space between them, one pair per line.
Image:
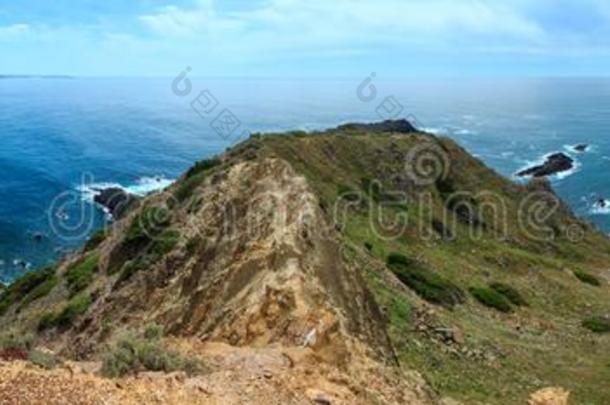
555,163
115,200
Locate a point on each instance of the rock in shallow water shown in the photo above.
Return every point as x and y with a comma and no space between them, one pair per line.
555,163
116,200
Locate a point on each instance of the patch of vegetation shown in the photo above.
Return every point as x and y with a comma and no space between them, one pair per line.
149,222
14,340
187,186
368,246
427,284
587,278
45,360
80,274
165,242
597,324
193,245
491,298
37,283
65,318
95,240
202,166
347,193
132,353
510,293
146,232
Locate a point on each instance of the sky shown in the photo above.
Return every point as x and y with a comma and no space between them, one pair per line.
306,38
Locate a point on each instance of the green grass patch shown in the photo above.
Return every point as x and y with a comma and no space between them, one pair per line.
95,240
491,298
80,274
202,166
597,324
38,283
587,278
427,284
510,293
63,319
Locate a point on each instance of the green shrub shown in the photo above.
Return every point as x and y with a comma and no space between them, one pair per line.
510,293
95,240
25,285
165,242
132,353
40,291
149,222
14,340
368,246
398,259
193,245
42,359
587,278
153,331
597,324
65,318
80,274
491,298
202,166
146,232
347,193
427,284
187,186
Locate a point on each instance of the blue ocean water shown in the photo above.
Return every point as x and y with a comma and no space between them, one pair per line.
59,138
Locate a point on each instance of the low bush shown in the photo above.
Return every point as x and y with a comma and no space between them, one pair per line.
132,353
95,240
510,293
65,318
202,166
29,283
44,360
427,284
146,232
597,324
14,340
80,274
587,278
491,298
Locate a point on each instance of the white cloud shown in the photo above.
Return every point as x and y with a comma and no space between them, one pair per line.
14,31
323,22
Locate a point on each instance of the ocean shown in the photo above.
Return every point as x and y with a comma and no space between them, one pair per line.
62,138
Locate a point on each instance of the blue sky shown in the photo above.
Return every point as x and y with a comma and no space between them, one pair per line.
306,38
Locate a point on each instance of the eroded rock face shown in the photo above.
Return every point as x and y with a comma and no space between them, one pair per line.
555,163
267,269
550,396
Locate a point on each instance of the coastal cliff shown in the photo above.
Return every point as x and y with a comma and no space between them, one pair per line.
363,264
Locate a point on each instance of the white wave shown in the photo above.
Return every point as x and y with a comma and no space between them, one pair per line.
435,131
464,132
601,208
572,148
142,187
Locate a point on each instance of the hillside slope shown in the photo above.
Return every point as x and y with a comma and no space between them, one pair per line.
345,259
